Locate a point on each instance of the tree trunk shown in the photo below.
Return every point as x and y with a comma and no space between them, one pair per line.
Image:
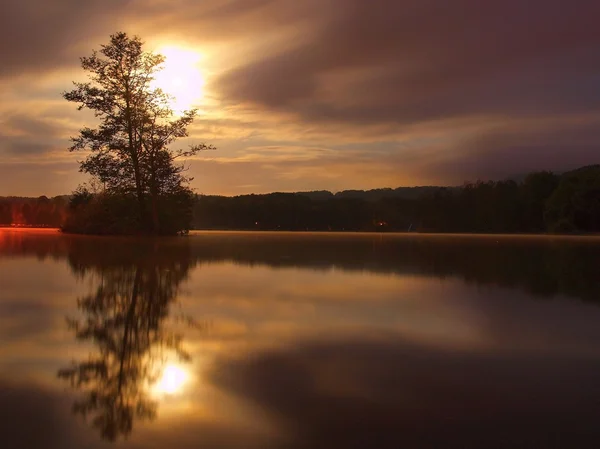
155,222
136,166
154,197
140,197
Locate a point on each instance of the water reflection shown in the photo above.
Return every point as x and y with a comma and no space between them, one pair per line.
544,266
390,393
125,321
316,341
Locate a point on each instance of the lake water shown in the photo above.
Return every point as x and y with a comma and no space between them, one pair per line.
283,340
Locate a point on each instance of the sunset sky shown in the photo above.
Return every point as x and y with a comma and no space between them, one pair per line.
320,94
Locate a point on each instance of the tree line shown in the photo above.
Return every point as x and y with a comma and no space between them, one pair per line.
38,212
541,202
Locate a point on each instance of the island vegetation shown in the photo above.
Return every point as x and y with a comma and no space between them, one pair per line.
138,183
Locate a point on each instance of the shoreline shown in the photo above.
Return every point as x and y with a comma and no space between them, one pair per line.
331,233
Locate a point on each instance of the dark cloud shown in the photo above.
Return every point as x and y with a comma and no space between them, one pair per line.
29,135
518,148
24,147
31,125
419,60
38,35
330,72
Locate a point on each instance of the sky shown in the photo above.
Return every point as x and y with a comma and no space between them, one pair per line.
321,94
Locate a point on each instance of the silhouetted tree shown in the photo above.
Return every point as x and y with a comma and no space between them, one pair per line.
5,213
575,204
130,153
537,187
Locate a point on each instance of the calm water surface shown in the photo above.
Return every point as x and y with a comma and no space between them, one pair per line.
280,340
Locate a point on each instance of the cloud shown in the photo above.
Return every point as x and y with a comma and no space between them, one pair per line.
232,177
278,153
516,147
21,124
36,178
36,36
395,92
413,60
20,137
218,20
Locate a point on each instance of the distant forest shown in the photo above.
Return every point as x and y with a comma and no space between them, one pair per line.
38,212
540,202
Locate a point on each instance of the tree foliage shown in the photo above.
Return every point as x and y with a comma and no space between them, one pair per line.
575,204
130,150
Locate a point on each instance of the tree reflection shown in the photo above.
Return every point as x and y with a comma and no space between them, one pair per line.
125,320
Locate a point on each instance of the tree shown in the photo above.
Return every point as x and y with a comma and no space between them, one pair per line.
575,204
537,187
130,149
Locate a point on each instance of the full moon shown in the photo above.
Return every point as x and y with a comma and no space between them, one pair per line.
181,78
172,380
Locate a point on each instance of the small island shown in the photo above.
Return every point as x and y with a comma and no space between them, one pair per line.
138,185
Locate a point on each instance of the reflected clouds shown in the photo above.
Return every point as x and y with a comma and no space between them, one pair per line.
301,340
389,393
